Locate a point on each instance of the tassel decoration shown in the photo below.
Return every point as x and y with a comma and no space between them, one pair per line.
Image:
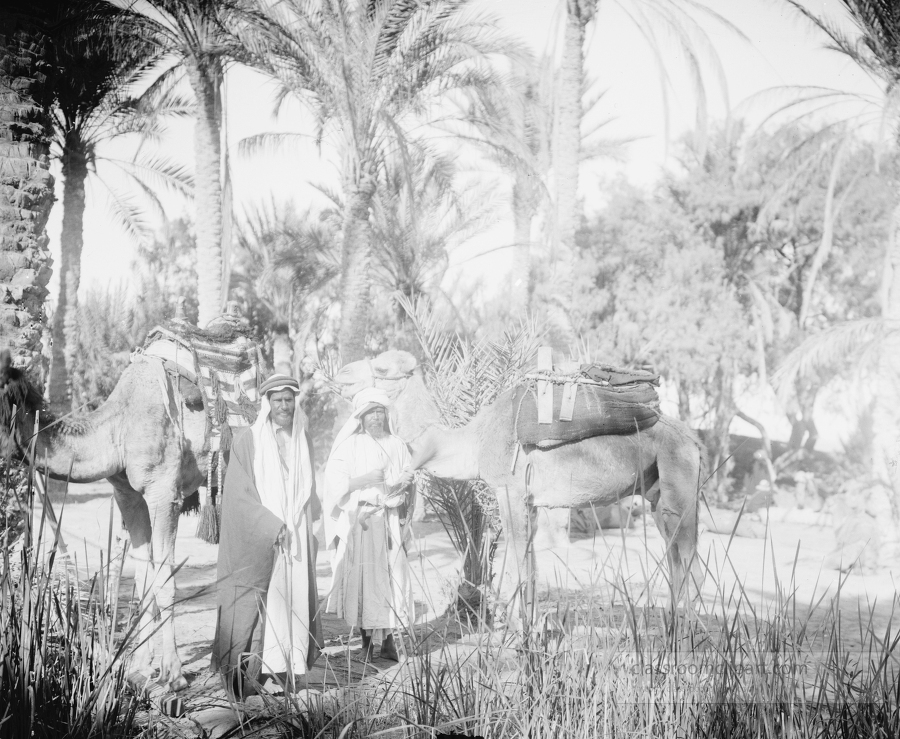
208,527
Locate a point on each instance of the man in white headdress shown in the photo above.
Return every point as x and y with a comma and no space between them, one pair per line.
268,605
367,476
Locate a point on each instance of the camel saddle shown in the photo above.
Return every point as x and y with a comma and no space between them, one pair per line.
224,364
593,400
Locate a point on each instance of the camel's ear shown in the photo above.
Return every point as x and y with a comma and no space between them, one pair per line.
407,362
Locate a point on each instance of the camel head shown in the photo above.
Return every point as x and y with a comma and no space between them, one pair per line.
386,371
15,393
415,417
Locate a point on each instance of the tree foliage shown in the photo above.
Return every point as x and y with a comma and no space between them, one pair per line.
373,73
719,272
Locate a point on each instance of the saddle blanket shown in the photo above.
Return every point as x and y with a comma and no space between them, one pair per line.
227,373
584,409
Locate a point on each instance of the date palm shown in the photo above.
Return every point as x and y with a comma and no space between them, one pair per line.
657,21
874,46
26,76
285,264
93,106
195,35
373,73
418,217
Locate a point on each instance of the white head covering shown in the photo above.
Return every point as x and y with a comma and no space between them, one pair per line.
363,401
336,520
286,499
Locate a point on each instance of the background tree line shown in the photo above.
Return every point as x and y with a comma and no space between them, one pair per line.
754,245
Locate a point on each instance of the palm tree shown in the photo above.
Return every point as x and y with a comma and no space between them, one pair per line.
372,72
418,217
655,20
520,139
875,48
92,106
285,265
27,71
194,33
515,133
466,374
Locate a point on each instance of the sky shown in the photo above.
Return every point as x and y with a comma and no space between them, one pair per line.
779,49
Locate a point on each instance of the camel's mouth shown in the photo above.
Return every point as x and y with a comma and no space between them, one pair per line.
343,389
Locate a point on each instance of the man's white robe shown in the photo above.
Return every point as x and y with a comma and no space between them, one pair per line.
371,586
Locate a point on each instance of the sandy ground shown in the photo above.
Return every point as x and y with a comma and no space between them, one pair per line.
790,557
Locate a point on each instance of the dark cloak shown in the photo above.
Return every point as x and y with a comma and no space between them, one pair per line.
245,564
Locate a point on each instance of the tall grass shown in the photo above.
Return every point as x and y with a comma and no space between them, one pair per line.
592,666
600,659
62,673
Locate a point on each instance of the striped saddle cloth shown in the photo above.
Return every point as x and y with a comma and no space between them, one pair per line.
225,366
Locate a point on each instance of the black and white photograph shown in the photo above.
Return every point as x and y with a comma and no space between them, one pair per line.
428,369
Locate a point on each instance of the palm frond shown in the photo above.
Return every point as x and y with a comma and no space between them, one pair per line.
158,172
125,211
466,373
831,350
270,143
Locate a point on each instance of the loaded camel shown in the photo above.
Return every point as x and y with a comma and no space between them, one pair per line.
134,441
664,463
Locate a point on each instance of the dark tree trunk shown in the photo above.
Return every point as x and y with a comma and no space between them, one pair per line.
804,433
355,264
26,186
684,400
719,440
65,317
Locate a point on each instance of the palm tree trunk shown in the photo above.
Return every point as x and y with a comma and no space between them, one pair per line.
523,213
282,350
568,145
204,80
28,185
567,157
65,318
886,412
355,261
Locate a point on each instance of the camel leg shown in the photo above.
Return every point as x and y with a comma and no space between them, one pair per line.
152,534
136,520
518,566
165,525
675,512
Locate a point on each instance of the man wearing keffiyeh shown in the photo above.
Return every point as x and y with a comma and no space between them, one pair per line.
268,606
367,476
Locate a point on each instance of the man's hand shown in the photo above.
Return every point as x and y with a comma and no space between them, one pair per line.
406,477
370,497
368,480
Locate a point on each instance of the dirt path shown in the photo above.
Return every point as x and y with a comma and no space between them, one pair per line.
790,559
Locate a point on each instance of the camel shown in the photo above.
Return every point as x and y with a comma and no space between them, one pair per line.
664,463
153,449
